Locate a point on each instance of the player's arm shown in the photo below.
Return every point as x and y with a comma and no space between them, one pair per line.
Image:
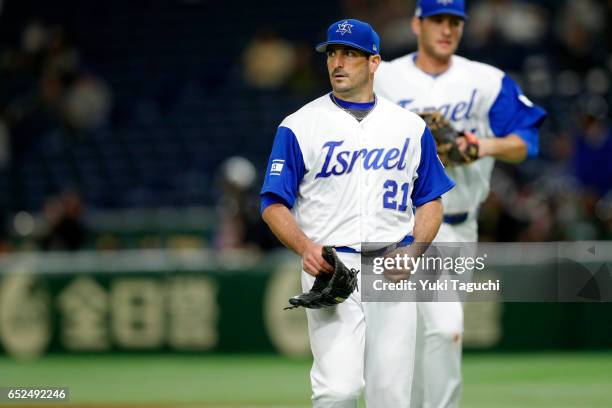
431,183
427,220
511,148
283,225
515,121
285,172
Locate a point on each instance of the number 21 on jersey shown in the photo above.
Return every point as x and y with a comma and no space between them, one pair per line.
391,195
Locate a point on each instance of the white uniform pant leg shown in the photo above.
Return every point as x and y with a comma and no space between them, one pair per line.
389,353
439,343
440,361
337,341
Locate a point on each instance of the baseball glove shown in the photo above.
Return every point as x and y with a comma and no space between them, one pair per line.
446,136
329,289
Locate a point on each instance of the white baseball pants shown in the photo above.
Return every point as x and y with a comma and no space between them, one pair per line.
359,346
437,381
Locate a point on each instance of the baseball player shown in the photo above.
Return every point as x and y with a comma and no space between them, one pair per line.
499,119
348,168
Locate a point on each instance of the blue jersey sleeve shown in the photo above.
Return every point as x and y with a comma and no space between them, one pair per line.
432,181
285,170
513,112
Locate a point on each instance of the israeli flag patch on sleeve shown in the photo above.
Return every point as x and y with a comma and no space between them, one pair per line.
277,167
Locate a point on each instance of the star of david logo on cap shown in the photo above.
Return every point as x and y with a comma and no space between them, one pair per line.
344,28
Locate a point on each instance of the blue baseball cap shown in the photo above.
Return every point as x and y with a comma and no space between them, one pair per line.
354,33
427,8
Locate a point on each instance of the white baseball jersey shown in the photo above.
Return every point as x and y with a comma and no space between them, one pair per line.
475,97
348,181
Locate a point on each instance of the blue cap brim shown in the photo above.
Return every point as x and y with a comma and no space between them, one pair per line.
323,46
445,11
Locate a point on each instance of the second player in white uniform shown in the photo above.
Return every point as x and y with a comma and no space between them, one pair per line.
479,99
348,168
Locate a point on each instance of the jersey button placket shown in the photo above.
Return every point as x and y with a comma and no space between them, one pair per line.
363,184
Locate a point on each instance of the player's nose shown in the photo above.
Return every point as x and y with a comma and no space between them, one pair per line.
337,60
446,27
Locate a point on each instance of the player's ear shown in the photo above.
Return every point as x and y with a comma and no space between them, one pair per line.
416,25
374,62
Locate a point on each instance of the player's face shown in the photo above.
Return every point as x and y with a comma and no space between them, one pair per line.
439,35
350,71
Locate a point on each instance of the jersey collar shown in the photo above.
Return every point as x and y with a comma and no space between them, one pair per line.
413,58
352,105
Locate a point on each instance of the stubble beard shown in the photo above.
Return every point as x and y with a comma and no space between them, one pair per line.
352,88
438,56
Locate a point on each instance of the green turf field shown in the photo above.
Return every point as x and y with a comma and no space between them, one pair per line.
492,381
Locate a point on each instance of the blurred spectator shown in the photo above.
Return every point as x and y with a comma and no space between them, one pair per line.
305,78
505,32
592,158
580,29
240,225
66,230
45,86
511,22
87,103
268,60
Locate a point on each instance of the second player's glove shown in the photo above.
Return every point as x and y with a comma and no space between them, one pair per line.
329,289
446,136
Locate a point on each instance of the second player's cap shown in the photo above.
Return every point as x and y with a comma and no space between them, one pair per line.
354,33
427,8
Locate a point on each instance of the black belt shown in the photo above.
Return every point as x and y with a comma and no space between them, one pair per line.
454,219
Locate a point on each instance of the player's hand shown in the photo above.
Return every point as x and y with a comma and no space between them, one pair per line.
461,143
469,139
403,265
313,262
397,275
